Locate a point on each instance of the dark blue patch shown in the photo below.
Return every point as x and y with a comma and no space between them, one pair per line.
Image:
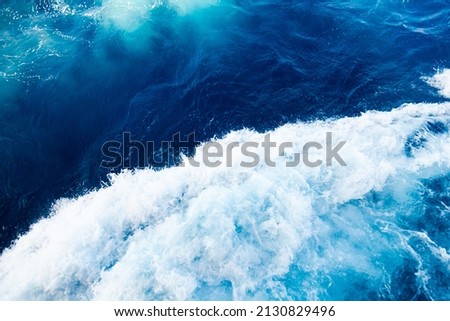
418,139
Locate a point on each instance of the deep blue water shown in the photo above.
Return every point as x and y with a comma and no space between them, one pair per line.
76,74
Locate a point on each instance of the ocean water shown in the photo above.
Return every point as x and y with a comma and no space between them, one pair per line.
75,74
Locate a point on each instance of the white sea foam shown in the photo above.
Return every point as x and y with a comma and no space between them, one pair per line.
235,233
441,81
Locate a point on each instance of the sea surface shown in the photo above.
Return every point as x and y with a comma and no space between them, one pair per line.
77,74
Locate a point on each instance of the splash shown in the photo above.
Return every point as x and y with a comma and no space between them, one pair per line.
441,81
261,233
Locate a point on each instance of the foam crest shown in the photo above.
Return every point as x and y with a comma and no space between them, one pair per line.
441,81
240,233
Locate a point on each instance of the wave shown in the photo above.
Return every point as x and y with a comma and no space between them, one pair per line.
374,229
440,81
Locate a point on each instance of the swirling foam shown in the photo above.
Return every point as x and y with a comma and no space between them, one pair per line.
251,233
